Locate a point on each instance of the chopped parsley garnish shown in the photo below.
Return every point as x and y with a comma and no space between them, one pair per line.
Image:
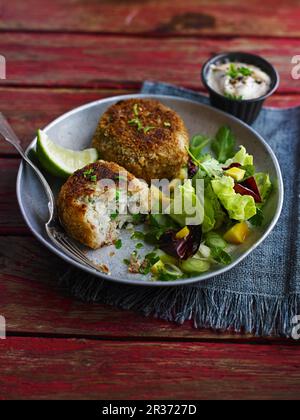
139,245
118,244
89,174
137,235
136,120
126,261
114,216
148,128
245,71
136,110
233,97
232,72
117,195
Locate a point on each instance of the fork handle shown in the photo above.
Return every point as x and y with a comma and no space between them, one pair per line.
10,136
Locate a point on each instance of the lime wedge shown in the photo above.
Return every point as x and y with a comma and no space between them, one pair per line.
59,161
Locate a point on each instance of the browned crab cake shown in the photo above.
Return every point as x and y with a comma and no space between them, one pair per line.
146,137
87,202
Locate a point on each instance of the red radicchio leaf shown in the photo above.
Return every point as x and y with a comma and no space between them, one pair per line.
181,248
192,169
252,185
249,187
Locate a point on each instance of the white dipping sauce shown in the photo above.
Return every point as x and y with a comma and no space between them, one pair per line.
238,81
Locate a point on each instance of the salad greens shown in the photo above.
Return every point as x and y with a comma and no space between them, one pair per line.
188,207
214,215
223,145
234,196
241,157
239,207
198,143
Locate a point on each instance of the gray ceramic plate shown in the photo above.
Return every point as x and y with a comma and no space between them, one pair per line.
75,130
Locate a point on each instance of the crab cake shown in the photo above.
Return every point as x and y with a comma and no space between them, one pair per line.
146,137
97,200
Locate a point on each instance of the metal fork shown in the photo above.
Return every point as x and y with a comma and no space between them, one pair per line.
53,227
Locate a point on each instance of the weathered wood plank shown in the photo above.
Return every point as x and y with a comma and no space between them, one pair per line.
33,368
65,60
196,17
30,109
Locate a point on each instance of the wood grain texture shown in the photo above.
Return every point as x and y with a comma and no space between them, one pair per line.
91,61
33,368
30,109
11,221
160,17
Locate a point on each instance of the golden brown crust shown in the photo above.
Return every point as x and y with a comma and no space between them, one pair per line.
82,183
149,153
71,207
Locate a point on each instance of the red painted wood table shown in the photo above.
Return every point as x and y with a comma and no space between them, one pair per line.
59,55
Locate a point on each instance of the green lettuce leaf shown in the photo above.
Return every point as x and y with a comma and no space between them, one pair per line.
240,207
198,143
241,157
224,144
213,214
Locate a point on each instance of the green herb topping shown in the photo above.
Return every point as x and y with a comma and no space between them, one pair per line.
89,175
137,235
136,120
235,72
233,97
114,216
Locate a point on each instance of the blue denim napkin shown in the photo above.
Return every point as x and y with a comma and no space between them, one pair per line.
262,294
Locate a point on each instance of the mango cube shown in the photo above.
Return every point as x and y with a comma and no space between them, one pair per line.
237,234
183,233
236,173
158,267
